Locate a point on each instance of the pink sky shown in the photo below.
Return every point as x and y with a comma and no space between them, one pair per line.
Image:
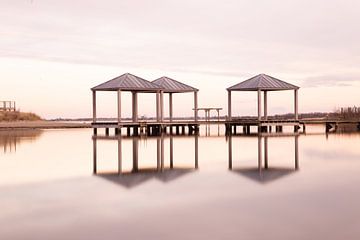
53,52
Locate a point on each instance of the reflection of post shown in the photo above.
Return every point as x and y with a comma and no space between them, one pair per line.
135,154
119,155
162,152
196,151
158,153
171,152
230,151
296,152
94,155
266,152
259,153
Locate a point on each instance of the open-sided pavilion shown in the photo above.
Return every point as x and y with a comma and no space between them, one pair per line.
134,84
263,83
171,87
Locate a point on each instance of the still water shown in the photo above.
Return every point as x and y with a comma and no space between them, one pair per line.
68,184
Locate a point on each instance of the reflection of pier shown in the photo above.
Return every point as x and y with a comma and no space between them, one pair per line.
263,172
166,173
9,140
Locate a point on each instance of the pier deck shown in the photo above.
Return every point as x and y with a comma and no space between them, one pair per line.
191,126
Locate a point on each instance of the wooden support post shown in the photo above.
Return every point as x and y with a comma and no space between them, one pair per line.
135,130
107,131
229,106
296,104
170,107
158,106
259,104
196,106
128,133
265,105
94,105
134,107
119,105
162,106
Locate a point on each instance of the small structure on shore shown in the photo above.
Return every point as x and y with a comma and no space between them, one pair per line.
7,106
172,86
263,83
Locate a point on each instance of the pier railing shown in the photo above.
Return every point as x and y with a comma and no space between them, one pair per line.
7,106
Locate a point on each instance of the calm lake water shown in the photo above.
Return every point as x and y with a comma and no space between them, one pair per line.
180,187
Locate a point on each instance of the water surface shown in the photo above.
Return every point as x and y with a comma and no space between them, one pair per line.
194,187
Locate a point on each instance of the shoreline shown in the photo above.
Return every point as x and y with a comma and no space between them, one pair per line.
42,125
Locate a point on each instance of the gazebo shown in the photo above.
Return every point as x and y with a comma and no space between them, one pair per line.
134,84
263,83
172,86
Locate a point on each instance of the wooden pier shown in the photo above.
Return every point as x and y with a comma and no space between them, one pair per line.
233,127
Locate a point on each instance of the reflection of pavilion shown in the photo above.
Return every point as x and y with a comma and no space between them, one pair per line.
137,175
263,173
9,140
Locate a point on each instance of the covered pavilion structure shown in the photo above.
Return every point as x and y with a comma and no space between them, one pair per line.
171,87
263,83
134,84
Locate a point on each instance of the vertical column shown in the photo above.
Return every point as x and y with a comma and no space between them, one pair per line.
259,105
296,152
196,106
135,154
119,105
170,107
229,105
296,104
230,151
158,153
171,152
94,105
266,153
157,106
259,153
161,106
196,151
162,152
94,156
265,105
119,155
134,107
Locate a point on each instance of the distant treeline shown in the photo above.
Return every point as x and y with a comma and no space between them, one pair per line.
347,113
340,113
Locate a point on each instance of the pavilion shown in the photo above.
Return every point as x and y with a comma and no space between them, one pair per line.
263,83
134,84
172,86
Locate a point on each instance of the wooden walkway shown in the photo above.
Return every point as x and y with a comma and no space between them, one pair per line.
231,127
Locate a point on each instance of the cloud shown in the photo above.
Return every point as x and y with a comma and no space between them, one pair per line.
336,80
